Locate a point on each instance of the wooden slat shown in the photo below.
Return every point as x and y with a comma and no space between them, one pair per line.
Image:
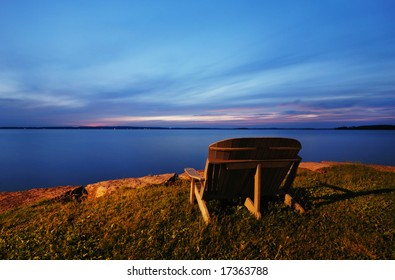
263,161
257,187
252,165
232,149
285,148
193,174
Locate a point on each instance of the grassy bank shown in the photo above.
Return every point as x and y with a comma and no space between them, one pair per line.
350,216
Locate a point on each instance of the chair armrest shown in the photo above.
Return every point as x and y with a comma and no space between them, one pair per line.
191,172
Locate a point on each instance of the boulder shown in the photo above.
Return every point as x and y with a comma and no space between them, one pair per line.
108,187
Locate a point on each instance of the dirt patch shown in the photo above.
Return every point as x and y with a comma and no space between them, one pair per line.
317,166
314,166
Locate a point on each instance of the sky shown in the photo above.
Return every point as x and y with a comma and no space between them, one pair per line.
224,63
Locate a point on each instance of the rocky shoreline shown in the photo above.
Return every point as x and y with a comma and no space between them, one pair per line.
13,200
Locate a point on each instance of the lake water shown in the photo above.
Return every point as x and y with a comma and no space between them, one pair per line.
46,158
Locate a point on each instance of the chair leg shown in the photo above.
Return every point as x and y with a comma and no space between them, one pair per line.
202,207
251,207
192,192
289,201
201,202
255,207
291,176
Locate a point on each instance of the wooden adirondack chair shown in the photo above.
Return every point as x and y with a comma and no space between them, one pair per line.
248,168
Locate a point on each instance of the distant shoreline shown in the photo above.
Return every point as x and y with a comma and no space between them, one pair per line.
367,127
364,127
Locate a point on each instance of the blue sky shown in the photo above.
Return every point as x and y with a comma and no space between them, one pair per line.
197,63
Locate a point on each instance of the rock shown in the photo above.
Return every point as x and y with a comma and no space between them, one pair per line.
108,187
76,194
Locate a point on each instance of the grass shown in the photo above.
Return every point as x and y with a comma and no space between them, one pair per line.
350,215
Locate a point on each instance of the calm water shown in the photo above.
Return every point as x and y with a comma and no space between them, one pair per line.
45,158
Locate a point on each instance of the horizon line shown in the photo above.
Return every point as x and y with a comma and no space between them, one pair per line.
362,127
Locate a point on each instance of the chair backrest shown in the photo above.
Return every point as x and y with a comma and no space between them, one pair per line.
231,165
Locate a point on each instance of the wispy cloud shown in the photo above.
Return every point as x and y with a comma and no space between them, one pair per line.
236,63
